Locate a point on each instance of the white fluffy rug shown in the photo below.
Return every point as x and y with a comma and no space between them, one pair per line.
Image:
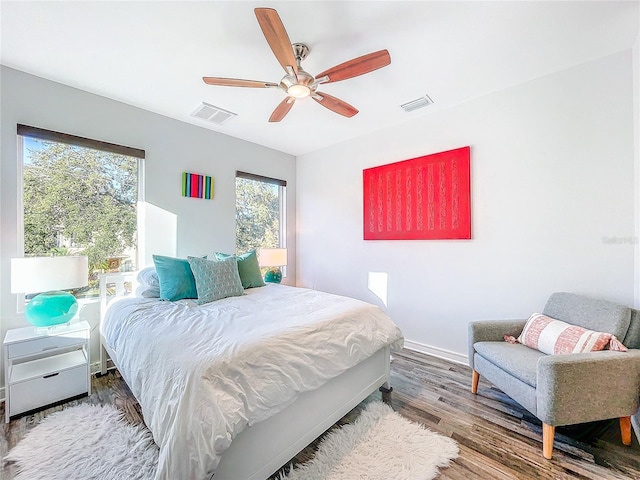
85,442
379,445
88,442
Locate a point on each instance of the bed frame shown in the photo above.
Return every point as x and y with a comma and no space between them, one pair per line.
260,450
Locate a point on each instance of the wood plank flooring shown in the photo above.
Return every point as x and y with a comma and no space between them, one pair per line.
498,439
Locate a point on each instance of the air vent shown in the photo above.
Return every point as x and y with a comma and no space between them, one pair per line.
417,103
213,114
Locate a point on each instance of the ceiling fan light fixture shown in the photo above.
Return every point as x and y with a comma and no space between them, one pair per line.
298,91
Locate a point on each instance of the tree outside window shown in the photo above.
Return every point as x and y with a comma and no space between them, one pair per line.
259,213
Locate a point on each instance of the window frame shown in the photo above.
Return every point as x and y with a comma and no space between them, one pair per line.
53,136
282,198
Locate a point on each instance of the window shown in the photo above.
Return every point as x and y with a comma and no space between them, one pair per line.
80,197
260,212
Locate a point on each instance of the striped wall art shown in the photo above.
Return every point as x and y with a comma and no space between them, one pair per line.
197,186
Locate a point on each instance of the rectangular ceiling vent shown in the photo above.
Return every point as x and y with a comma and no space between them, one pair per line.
417,103
212,114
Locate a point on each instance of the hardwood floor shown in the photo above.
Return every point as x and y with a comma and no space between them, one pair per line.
498,439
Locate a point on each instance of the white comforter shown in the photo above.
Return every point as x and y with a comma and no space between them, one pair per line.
204,373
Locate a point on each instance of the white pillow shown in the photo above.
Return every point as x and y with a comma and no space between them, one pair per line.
148,277
147,292
148,283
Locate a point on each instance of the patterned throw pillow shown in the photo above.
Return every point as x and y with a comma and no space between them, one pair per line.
216,279
555,337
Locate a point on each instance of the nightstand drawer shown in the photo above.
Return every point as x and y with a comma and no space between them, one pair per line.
39,345
47,389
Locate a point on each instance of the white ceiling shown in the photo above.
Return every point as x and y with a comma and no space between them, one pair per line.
154,54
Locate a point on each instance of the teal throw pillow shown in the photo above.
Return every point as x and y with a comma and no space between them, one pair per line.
248,268
216,279
175,278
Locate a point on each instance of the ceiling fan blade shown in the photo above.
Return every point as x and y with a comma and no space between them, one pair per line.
335,104
282,109
277,37
357,66
236,82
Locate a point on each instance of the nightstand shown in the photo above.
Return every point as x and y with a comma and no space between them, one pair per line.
44,366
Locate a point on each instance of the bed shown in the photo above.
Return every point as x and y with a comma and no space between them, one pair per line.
236,388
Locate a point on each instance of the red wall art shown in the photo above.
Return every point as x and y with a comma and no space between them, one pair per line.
425,198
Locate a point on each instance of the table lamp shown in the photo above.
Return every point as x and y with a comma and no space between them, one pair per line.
49,275
274,258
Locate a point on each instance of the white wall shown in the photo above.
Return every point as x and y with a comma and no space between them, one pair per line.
636,135
189,226
552,167
635,420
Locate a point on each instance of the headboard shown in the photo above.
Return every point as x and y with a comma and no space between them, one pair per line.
117,280
112,285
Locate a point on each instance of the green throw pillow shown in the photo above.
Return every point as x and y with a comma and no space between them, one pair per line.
216,279
175,278
248,268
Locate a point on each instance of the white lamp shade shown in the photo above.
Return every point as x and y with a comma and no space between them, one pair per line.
272,257
44,274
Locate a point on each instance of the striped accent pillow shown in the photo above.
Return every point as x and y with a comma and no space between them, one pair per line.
555,337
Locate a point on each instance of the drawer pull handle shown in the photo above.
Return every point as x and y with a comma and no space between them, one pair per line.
49,348
51,375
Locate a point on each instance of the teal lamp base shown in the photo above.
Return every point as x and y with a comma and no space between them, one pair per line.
273,275
51,308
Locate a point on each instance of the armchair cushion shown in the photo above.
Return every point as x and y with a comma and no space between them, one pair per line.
492,331
518,360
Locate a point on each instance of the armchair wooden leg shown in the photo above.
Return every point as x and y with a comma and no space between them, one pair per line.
625,430
548,433
474,382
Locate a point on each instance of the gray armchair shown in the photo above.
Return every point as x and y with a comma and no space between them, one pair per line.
564,389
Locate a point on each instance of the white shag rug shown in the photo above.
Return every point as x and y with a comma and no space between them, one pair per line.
86,442
381,444
90,442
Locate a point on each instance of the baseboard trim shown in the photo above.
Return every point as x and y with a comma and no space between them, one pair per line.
437,352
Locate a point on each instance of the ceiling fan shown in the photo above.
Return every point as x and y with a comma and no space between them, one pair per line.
297,83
